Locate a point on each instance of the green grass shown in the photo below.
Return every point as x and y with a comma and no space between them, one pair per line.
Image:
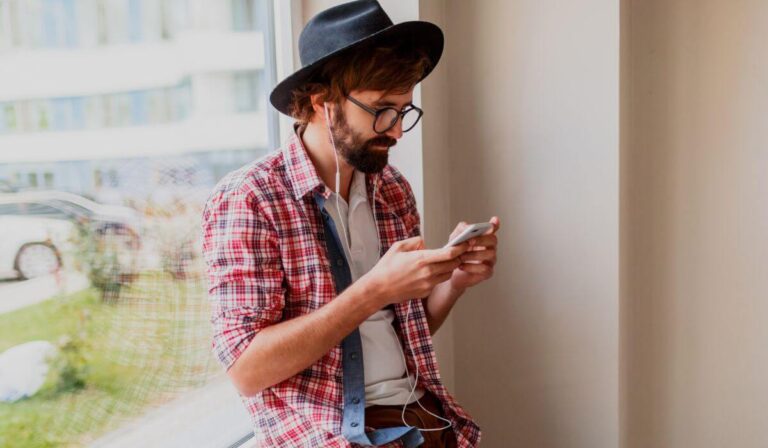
147,348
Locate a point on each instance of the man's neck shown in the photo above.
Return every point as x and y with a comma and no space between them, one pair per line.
318,145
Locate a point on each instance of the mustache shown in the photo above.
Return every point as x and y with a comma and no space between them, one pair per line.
382,141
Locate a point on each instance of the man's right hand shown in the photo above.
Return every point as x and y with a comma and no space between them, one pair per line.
408,271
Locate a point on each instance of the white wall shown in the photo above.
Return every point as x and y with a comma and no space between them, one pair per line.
531,134
693,225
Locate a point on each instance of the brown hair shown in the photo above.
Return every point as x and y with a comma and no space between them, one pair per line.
392,69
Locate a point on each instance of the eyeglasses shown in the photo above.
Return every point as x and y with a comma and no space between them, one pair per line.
386,118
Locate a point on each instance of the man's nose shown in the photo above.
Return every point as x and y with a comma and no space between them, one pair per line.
397,130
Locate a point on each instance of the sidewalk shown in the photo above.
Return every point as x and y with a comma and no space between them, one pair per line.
19,294
210,417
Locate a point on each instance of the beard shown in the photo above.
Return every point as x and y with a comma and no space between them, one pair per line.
355,149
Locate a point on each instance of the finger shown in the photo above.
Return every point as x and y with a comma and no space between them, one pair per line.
496,222
444,277
445,253
446,266
410,244
489,240
472,268
480,255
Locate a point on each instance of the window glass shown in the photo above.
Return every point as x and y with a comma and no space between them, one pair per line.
102,184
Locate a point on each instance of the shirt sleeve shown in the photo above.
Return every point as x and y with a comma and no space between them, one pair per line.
411,218
245,276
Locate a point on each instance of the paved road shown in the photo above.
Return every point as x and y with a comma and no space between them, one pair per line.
210,417
19,294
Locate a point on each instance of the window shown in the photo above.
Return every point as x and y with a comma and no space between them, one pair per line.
125,166
135,21
59,27
9,119
248,91
243,15
114,179
133,108
68,113
3,119
87,23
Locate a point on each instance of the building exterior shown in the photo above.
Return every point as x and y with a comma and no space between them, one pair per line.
131,99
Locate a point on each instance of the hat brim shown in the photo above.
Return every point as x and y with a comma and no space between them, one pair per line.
424,35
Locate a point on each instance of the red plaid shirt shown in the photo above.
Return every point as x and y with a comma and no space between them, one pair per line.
266,260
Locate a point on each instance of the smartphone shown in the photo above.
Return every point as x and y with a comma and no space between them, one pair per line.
470,232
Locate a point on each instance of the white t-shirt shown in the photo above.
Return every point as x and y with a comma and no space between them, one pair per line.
385,381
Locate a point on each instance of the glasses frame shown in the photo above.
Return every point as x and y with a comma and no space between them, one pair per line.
400,114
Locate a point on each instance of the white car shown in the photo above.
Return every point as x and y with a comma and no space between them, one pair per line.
115,221
32,246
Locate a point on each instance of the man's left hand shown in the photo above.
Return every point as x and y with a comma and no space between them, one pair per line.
478,262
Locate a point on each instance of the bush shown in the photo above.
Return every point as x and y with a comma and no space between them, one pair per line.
70,366
107,262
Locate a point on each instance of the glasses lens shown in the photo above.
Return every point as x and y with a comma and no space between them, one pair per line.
410,119
386,119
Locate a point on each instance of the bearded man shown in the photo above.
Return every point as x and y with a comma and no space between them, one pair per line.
324,297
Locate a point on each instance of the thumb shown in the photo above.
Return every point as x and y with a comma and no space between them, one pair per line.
414,243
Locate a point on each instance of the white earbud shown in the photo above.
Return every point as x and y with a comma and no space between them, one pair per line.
338,174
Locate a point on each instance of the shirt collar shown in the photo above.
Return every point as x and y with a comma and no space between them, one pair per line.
303,175
301,170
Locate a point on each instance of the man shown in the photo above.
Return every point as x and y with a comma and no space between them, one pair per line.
324,299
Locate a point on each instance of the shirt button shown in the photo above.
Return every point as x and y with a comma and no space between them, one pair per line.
339,262
353,356
354,424
355,400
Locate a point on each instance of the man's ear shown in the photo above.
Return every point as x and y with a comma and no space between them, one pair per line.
317,105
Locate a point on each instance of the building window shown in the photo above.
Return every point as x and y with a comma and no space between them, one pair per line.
243,17
75,23
138,107
113,178
8,117
248,91
59,23
48,179
4,117
38,115
101,22
135,108
181,100
134,20
68,113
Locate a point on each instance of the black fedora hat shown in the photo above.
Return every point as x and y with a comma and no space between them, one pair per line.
347,27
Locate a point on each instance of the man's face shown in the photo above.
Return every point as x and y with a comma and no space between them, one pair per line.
353,133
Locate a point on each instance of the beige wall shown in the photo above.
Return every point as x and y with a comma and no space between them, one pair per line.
694,219
526,122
